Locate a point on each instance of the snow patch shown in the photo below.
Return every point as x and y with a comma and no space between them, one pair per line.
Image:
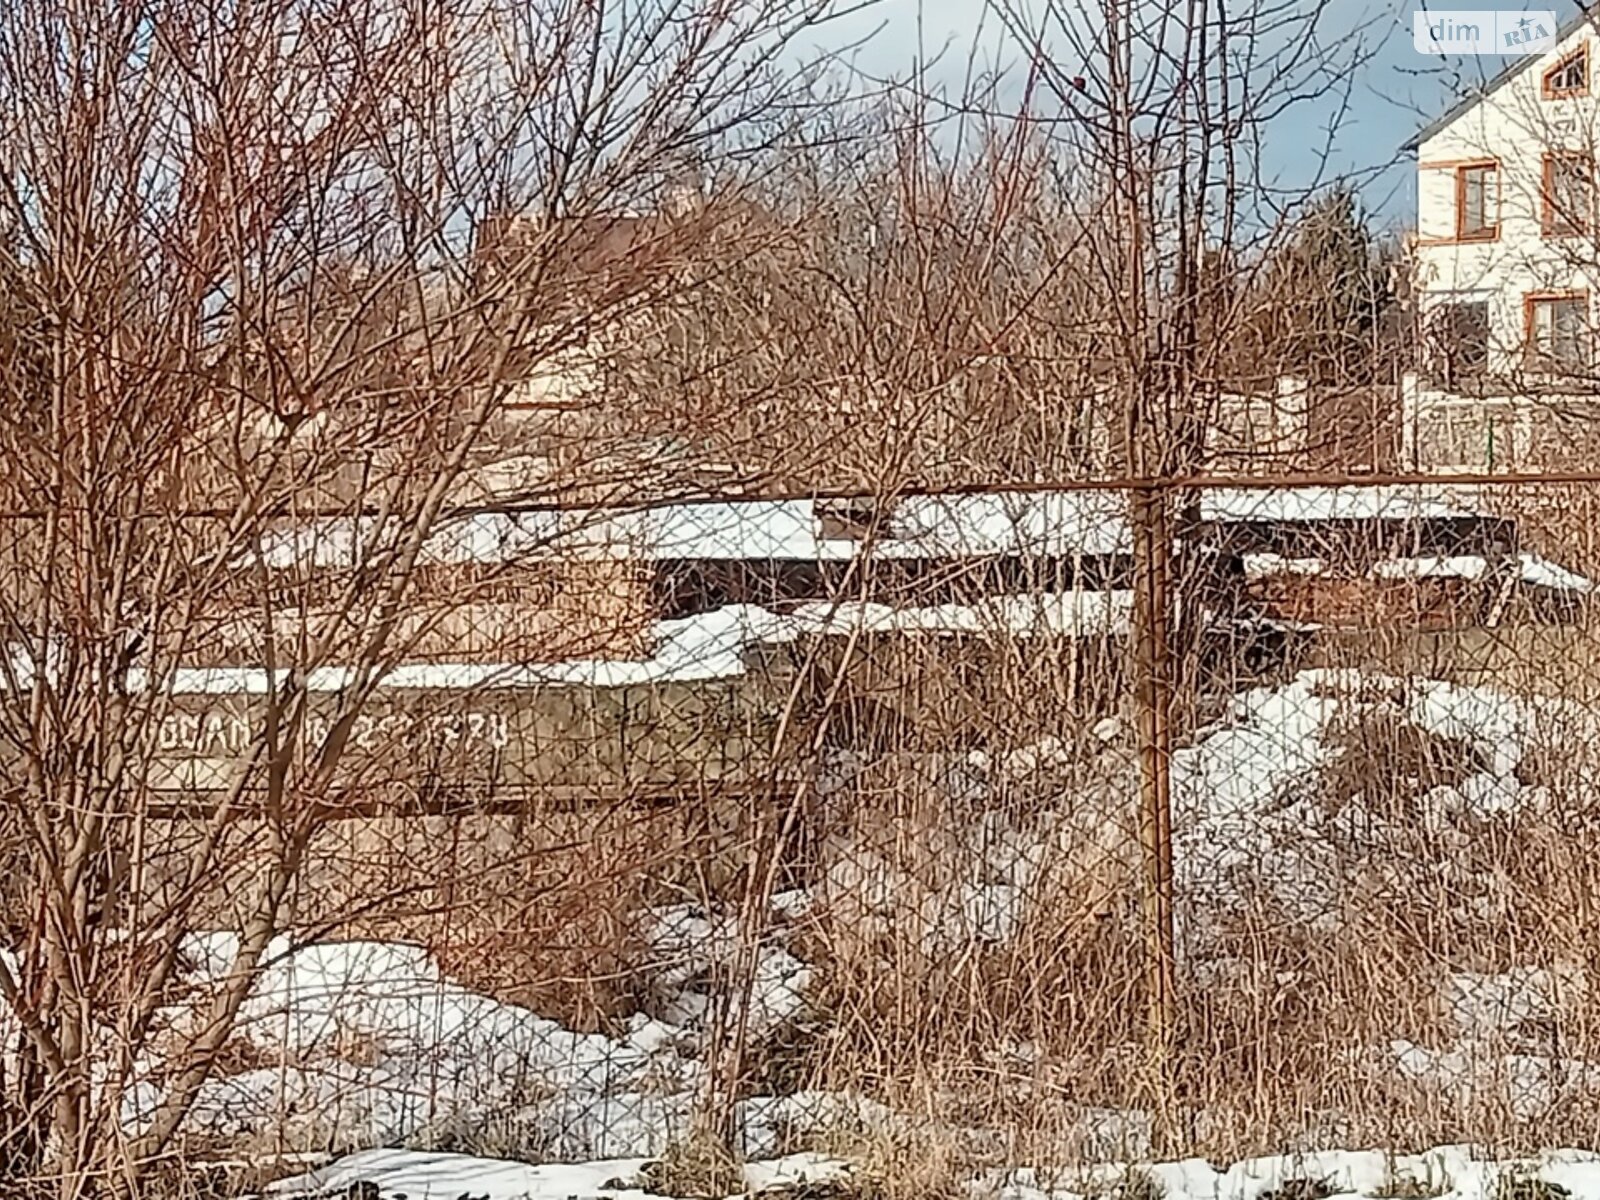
373,1044
1543,573
1455,1172
1251,822
1263,566
418,1175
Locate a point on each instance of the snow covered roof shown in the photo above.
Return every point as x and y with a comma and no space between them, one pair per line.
1527,568
1381,503
744,529
708,645
1045,523
1042,523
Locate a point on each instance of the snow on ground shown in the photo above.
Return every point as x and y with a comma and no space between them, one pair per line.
370,1044
1517,1001
1250,814
993,869
1257,827
1446,1172
1503,1042
1528,1085
374,1045
1443,1173
1259,833
1272,824
695,950
426,1176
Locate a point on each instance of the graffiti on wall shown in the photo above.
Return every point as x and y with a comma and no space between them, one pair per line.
229,733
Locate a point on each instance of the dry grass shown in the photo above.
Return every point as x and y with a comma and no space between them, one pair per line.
699,1166
1434,1181
1017,1036
904,1164
1525,1184
1288,1033
540,910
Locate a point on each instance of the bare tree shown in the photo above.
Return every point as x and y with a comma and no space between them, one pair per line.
251,278
1164,112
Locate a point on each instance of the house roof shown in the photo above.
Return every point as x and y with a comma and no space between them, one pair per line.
1469,102
944,526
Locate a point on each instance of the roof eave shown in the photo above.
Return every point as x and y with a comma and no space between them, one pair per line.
1467,103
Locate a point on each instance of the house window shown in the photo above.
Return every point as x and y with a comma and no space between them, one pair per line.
1478,201
1458,342
1568,194
1558,329
1569,77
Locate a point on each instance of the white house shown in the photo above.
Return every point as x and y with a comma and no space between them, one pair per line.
1506,231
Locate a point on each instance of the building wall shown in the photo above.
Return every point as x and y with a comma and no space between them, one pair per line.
1516,126
1371,604
1301,426
1454,432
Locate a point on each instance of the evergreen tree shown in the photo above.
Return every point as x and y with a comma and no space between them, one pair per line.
1324,295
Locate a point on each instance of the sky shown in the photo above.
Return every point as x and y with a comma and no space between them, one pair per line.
1394,89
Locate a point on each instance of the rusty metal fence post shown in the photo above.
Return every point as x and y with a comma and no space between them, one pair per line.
1153,670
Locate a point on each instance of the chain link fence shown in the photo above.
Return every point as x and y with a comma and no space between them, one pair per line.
718,832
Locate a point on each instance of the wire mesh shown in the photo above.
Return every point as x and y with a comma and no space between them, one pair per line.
816,826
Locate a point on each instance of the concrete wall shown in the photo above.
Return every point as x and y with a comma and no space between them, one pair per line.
606,739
